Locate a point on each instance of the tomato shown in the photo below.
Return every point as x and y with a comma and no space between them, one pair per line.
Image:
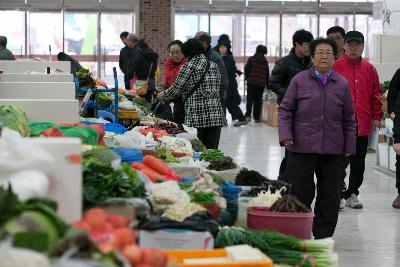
95,217
82,225
125,235
105,247
118,220
133,254
153,257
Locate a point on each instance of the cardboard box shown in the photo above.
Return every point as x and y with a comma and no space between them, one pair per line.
176,239
270,113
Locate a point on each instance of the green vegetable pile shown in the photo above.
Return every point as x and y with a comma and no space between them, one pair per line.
197,145
217,179
225,163
211,154
86,79
104,100
282,249
142,103
33,224
166,156
101,181
203,198
14,118
385,86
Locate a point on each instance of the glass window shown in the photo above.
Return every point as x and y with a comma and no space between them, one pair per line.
112,25
186,25
273,36
363,25
256,33
327,21
13,27
81,38
45,29
220,24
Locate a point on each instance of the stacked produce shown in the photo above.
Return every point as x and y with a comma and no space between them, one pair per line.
14,118
169,126
155,169
86,79
289,203
266,198
218,161
166,156
282,249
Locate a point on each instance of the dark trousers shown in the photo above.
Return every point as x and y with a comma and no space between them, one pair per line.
398,173
357,167
300,169
127,83
209,136
254,97
235,111
283,166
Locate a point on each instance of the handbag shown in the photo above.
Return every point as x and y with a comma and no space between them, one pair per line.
142,86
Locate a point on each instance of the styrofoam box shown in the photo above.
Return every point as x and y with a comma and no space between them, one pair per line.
21,66
35,77
383,155
392,159
176,239
65,174
37,90
54,110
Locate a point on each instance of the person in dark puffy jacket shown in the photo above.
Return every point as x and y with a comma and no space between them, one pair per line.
287,67
233,98
318,127
256,73
141,67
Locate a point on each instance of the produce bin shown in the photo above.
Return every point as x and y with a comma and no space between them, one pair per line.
128,114
178,256
289,223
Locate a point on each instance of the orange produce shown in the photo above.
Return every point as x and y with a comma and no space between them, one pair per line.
154,257
95,217
82,225
133,254
117,220
125,235
105,247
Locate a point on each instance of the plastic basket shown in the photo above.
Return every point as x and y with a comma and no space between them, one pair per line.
289,223
128,114
178,256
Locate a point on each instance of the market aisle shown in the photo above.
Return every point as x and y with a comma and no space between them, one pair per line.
368,237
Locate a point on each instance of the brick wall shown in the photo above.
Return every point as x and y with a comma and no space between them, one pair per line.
155,19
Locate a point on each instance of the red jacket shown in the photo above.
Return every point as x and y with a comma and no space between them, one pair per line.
171,71
365,91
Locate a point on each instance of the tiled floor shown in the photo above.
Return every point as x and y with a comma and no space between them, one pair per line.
367,237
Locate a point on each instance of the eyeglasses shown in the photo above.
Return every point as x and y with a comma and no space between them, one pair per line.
326,53
173,53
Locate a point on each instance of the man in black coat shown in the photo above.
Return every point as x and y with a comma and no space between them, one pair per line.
124,56
287,67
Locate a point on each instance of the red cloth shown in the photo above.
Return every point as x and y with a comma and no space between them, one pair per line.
365,91
171,71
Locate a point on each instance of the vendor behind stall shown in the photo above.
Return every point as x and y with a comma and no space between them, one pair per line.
75,65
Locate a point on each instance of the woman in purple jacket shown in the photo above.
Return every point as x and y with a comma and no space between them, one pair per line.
318,128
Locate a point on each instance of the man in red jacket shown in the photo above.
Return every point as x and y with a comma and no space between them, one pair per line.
366,95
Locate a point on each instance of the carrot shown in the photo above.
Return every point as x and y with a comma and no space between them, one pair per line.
138,166
153,175
157,165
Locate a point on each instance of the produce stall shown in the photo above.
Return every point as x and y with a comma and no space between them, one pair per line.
149,195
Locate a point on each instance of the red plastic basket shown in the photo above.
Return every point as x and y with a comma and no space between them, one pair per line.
289,223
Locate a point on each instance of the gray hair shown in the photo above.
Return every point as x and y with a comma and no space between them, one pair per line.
132,37
203,37
3,41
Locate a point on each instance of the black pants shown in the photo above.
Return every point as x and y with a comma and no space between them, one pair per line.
300,169
209,136
235,111
282,168
357,167
398,173
254,97
127,83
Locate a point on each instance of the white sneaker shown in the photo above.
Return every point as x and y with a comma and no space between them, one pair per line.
354,202
342,204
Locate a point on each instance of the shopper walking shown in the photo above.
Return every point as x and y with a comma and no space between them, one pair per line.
233,98
198,83
5,54
144,66
256,73
318,127
132,43
124,56
366,94
337,34
172,67
394,111
287,67
205,40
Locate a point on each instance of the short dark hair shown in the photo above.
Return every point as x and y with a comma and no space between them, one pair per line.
203,37
123,35
143,44
3,41
63,57
317,42
175,42
261,49
336,29
192,48
302,36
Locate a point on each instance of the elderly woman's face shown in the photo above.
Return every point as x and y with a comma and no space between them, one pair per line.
323,58
175,53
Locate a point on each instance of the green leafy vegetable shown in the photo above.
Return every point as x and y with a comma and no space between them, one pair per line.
104,100
221,164
86,79
217,179
10,206
166,156
203,198
142,103
14,118
197,145
211,154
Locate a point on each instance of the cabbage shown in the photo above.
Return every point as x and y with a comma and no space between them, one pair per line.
14,118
